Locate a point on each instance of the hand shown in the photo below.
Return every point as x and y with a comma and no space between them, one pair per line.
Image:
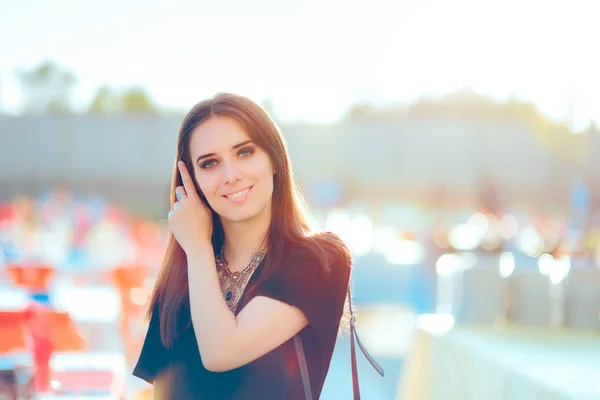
190,220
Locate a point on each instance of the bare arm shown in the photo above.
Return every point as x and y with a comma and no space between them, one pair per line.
226,342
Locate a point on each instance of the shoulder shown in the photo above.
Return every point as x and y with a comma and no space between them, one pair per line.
324,253
334,246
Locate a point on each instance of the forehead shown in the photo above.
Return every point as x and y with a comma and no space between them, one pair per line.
216,134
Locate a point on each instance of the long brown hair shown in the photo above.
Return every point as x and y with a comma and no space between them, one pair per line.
288,227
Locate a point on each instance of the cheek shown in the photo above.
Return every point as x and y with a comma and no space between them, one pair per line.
262,168
268,184
205,183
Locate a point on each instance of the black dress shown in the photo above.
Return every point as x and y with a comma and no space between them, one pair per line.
301,281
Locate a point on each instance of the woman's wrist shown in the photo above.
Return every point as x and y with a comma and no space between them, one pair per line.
201,249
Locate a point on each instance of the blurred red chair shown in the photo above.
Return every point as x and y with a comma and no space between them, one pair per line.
41,331
35,278
128,278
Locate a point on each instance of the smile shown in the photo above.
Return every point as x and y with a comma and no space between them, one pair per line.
239,196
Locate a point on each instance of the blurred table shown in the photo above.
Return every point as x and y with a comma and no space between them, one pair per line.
473,363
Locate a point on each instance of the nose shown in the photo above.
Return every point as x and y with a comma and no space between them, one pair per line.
231,172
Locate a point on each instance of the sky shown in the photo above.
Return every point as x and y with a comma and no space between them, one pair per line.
314,59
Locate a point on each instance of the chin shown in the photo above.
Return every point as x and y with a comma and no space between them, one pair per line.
242,214
238,216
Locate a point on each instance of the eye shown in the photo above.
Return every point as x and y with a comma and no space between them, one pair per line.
246,151
208,164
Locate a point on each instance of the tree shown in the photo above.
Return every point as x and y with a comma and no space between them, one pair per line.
592,128
106,101
46,88
366,111
136,100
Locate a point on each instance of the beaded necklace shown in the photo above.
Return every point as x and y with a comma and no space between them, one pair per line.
233,283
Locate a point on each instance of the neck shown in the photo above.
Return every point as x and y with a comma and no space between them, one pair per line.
244,238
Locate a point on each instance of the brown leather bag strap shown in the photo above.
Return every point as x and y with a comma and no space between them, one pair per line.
353,337
355,385
303,368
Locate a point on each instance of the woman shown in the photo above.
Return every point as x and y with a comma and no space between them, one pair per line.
243,274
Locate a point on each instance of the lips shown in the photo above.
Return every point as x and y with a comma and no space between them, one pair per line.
239,195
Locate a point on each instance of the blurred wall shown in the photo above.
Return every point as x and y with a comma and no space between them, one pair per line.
440,160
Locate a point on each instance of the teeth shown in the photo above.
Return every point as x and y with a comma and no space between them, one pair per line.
239,194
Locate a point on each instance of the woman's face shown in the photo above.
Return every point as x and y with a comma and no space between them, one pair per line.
233,173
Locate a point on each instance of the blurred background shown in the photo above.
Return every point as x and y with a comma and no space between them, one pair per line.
454,146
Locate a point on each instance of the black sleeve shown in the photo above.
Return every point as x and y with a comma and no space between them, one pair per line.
153,355
303,282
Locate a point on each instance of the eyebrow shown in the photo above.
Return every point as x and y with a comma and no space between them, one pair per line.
213,154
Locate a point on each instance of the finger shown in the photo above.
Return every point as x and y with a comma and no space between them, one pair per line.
179,192
187,179
176,205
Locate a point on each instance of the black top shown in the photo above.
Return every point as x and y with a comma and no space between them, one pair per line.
301,281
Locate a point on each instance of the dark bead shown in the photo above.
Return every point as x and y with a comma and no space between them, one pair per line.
228,296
